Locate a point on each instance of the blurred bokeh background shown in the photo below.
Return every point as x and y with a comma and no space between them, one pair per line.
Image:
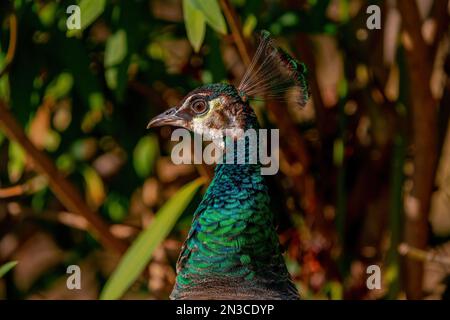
365,168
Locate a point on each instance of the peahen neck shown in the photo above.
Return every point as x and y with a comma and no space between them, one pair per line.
232,244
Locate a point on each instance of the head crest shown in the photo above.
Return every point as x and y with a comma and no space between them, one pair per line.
273,74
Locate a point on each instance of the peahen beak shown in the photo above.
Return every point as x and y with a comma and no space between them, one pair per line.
167,118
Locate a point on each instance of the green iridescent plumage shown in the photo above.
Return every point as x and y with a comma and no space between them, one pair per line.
232,249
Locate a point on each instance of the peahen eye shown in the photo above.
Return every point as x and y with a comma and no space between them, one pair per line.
199,106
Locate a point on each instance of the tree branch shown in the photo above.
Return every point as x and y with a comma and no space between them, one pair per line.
424,141
423,255
12,44
62,188
235,26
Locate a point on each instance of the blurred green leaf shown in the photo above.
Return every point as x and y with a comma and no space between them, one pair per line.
84,149
249,25
90,10
116,66
116,48
275,28
4,88
4,82
289,19
195,24
212,13
95,189
145,154
66,162
96,101
95,115
140,252
336,291
7,267
392,273
47,13
207,77
343,88
16,163
111,77
344,10
60,87
338,152
52,140
116,206
330,29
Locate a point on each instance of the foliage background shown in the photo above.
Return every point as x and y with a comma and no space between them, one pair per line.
364,179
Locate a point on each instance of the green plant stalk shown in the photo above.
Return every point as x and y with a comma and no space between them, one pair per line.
395,213
7,267
341,192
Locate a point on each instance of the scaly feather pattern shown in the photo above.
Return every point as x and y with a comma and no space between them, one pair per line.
274,74
232,250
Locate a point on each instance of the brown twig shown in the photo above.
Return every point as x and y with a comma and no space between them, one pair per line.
63,189
235,26
13,191
31,186
12,44
422,255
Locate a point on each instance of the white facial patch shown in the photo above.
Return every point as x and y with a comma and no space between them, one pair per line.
200,126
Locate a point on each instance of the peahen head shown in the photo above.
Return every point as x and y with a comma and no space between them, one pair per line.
221,109
211,110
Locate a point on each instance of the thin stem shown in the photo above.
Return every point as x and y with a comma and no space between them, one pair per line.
422,255
235,26
12,43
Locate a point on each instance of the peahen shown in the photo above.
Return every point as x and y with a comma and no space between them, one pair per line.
232,249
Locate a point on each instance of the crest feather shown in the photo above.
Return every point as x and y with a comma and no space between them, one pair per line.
274,74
